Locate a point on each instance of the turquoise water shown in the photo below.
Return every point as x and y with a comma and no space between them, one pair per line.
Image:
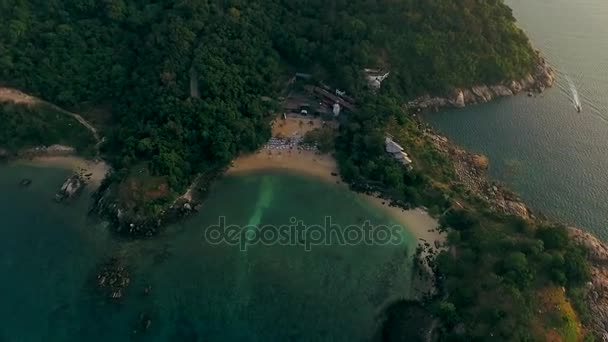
199,291
554,157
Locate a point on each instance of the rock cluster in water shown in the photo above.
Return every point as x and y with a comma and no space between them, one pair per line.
113,279
71,188
143,324
542,77
25,182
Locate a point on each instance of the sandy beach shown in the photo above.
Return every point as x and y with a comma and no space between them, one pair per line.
307,162
97,169
417,221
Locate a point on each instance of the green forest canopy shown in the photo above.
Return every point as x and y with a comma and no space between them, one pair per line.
26,127
138,55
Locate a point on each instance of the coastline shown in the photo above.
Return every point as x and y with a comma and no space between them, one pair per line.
541,78
307,162
97,168
472,174
416,221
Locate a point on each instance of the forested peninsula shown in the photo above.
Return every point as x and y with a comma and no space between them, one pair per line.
178,89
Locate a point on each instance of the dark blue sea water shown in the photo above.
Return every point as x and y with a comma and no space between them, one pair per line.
554,157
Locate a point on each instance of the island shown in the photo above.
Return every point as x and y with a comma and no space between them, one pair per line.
170,93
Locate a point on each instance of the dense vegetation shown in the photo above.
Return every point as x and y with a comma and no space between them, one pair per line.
186,81
26,127
504,274
139,57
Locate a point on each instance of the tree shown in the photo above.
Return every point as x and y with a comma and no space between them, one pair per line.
515,268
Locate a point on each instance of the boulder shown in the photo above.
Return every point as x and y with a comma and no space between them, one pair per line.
501,90
480,161
70,188
25,182
598,251
516,87
517,208
483,93
544,74
469,97
457,99
528,81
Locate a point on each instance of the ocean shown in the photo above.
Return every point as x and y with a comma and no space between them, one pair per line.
554,157
199,290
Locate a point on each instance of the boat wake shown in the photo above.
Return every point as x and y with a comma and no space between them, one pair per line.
576,101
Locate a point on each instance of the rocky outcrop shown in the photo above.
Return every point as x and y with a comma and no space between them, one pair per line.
131,222
25,182
113,279
471,169
541,78
480,161
70,188
134,220
597,289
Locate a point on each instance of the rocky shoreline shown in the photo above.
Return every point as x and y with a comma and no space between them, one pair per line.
71,188
596,296
542,77
470,169
127,222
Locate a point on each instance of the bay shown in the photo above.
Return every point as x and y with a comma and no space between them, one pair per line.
554,157
49,254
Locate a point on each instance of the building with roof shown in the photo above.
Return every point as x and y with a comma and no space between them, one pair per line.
375,77
331,98
397,152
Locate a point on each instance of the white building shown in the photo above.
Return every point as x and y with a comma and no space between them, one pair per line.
396,151
336,109
375,77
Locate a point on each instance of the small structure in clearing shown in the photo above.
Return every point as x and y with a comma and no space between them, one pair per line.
397,152
375,77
